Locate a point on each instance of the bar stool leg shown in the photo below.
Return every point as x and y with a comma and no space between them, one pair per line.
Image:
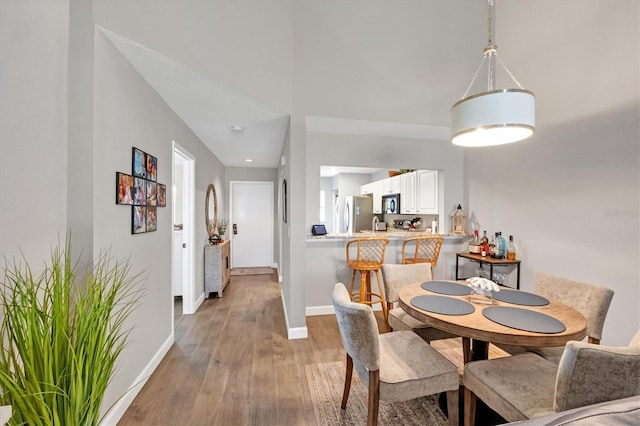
353,280
365,292
383,300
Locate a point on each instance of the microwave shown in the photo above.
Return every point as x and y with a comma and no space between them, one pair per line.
391,204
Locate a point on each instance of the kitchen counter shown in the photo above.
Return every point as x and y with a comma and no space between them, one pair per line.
326,262
392,234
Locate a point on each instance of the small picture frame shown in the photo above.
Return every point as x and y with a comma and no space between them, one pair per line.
151,168
151,193
124,188
138,219
152,220
139,192
162,195
139,165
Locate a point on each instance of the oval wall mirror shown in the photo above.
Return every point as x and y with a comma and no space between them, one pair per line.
211,209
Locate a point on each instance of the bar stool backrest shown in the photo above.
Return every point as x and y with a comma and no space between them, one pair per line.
422,250
366,252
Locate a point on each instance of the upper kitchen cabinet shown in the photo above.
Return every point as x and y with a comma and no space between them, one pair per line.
374,189
427,192
408,193
392,185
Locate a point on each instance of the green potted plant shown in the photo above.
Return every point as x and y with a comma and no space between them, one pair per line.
62,337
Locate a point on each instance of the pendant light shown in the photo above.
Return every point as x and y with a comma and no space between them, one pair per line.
494,117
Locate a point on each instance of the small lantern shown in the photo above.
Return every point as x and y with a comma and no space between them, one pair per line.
458,221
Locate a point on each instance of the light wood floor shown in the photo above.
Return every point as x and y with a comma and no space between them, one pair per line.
232,363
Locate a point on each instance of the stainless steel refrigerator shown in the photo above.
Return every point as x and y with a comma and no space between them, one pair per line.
354,213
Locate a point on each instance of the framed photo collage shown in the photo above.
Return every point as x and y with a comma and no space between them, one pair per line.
141,191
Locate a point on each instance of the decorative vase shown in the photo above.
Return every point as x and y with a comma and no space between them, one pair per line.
479,295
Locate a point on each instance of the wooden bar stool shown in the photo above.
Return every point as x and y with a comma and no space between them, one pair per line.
368,257
422,250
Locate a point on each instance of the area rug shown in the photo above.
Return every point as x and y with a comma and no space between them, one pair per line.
326,382
252,271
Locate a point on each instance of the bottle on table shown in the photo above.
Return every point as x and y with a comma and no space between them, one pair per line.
494,246
511,249
484,244
503,246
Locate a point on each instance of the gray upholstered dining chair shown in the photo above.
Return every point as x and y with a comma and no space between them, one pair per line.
396,276
395,366
590,300
526,386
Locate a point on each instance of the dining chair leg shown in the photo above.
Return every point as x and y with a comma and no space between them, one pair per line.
452,407
347,382
469,408
374,398
466,349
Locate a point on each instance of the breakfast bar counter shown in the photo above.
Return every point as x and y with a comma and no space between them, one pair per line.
326,262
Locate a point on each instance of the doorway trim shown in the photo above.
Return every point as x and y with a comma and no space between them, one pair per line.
188,228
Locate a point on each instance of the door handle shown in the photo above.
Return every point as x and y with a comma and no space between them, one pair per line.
235,229
184,245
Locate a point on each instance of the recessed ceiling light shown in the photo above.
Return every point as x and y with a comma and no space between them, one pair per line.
237,129
248,160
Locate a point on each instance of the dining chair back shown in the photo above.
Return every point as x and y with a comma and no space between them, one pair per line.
526,386
364,256
396,366
395,277
591,301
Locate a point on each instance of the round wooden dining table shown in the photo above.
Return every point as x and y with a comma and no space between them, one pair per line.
479,330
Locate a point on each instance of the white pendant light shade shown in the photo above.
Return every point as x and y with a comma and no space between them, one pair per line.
493,118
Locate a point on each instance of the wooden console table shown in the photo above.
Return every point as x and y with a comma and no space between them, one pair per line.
490,261
217,268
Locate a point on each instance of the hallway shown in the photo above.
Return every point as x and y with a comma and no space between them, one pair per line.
233,364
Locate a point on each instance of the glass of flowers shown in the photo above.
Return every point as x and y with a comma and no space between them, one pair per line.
482,290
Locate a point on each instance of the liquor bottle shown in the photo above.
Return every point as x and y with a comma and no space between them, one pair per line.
484,244
494,246
511,250
503,246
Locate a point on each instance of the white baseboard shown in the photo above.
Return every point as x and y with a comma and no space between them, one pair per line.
297,333
292,332
277,268
120,407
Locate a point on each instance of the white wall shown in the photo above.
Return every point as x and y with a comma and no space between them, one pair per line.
33,127
383,152
129,113
569,195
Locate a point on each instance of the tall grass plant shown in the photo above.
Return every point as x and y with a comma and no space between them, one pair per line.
62,336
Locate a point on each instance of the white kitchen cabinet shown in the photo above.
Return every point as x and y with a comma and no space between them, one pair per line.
392,185
367,189
374,189
408,193
427,192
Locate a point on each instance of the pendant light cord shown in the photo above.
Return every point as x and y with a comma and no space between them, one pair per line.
490,50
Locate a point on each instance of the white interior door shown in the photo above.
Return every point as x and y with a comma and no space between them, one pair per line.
184,214
251,228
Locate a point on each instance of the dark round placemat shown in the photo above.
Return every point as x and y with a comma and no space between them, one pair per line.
523,319
518,297
442,305
446,287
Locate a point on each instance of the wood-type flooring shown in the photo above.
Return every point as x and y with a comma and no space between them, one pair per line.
232,363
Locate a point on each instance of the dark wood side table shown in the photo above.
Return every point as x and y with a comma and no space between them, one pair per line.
490,261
